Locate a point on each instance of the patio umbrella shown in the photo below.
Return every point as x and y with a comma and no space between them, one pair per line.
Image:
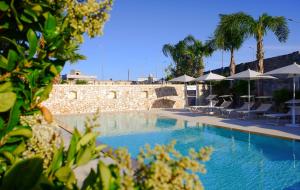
249,75
291,71
184,78
210,77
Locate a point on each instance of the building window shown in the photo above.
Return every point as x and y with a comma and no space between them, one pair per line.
72,95
144,94
112,95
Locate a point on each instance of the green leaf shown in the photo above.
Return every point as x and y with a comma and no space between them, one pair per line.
85,140
20,148
50,25
3,6
66,175
32,14
3,62
25,132
9,156
53,70
20,25
72,148
105,175
23,175
84,156
4,26
57,160
7,100
100,147
90,181
33,42
6,87
1,123
25,19
14,115
37,8
43,93
12,59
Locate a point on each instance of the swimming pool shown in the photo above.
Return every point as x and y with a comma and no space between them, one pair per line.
240,160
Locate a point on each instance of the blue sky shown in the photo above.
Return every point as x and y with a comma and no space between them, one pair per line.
137,30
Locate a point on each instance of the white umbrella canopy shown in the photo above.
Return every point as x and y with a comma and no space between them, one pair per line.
292,71
183,78
249,75
210,77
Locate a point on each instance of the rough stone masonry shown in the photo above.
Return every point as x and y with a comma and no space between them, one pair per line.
73,99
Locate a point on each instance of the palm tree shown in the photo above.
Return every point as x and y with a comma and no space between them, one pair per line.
187,56
177,54
230,34
259,28
196,51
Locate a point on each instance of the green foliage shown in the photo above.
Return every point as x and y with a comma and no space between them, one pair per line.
81,82
230,35
187,56
281,96
159,168
37,38
15,178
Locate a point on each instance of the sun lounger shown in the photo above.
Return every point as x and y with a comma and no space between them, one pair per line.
201,108
225,105
262,109
279,116
244,107
211,102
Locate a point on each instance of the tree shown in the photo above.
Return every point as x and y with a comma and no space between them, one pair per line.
230,34
177,53
196,52
187,56
259,28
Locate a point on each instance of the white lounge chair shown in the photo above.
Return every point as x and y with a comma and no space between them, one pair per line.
261,109
225,105
279,116
201,108
244,107
210,100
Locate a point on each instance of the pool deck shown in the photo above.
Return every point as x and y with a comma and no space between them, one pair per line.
257,126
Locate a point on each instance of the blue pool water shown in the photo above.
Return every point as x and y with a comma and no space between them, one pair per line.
239,161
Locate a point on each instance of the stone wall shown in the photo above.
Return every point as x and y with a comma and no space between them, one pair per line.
69,99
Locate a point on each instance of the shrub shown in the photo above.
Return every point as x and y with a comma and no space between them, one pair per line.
281,96
37,38
81,82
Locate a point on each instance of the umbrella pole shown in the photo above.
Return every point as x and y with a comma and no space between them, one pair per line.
210,93
294,97
185,95
249,99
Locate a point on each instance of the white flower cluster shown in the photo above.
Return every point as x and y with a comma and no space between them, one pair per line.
45,137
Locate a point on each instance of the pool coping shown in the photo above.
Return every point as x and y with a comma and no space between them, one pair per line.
237,124
268,130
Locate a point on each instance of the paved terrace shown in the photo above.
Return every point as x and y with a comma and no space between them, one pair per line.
258,126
